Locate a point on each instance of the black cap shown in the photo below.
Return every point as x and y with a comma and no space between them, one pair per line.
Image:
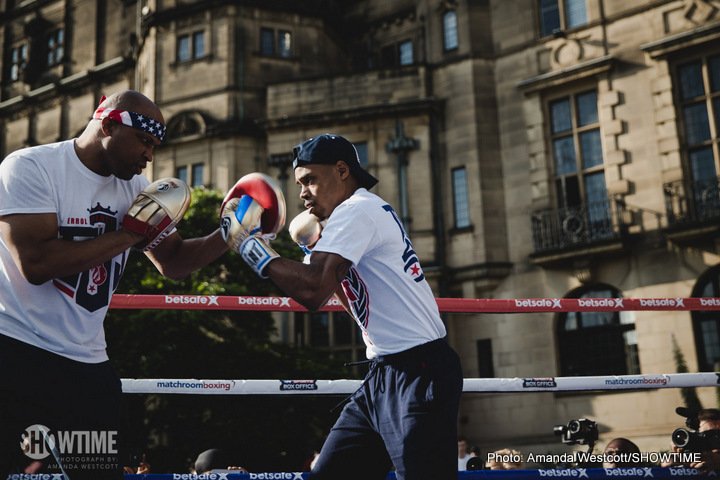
327,149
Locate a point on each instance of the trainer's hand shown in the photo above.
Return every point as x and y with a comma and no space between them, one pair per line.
157,210
240,219
257,253
305,229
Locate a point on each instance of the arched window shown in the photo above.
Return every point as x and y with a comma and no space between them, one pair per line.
706,325
597,343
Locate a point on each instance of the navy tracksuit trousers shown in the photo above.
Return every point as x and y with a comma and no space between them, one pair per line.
404,415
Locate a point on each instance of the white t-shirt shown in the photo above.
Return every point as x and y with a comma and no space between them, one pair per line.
65,315
389,297
462,461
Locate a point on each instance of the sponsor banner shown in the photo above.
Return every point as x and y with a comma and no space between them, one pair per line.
589,473
481,385
239,387
464,305
539,383
298,385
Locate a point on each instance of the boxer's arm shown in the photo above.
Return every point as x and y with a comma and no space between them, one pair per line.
176,257
311,284
40,255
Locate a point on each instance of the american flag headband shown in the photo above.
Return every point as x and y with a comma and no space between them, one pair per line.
132,119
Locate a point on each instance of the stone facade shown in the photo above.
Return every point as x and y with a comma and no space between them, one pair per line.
240,83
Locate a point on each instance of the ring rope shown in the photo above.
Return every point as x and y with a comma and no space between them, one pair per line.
447,305
470,385
589,473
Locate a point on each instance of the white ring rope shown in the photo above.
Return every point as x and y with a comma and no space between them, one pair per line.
470,385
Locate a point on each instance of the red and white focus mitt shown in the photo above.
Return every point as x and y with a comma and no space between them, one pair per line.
156,210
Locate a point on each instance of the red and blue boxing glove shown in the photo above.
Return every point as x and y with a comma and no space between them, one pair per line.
252,213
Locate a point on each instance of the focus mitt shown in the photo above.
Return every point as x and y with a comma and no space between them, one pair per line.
156,210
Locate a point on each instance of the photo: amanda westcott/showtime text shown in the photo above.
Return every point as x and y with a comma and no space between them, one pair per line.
587,458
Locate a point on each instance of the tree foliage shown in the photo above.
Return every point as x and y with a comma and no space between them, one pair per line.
264,433
689,394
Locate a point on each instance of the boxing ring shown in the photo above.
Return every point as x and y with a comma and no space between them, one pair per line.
470,385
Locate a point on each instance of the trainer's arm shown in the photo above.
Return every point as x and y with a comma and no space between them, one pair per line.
312,284
176,257
41,256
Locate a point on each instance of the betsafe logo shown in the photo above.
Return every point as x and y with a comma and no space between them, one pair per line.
252,476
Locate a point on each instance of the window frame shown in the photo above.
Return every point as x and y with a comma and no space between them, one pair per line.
617,328
194,182
455,37
712,110
575,132
191,37
273,38
455,194
710,277
562,9
17,68
57,37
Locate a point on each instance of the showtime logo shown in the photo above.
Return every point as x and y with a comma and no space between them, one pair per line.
191,300
538,303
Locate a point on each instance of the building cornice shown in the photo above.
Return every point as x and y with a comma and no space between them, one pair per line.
680,41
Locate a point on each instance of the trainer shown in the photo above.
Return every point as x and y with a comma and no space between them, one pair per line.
69,214
405,413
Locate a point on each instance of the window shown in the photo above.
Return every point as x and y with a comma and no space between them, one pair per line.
362,151
578,158
191,46
486,368
194,175
558,15
284,43
18,61
274,43
406,53
182,173
397,54
267,41
706,324
197,174
450,33
55,47
334,331
698,92
460,198
597,343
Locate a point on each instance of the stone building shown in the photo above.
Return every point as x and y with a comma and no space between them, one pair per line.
540,148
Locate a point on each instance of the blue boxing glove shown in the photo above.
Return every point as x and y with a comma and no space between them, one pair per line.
257,253
241,219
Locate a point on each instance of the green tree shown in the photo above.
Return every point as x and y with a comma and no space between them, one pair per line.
265,433
689,394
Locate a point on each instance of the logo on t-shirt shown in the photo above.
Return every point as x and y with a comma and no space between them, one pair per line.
92,289
409,257
357,295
